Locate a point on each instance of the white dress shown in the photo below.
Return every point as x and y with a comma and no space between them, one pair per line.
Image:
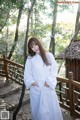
43,100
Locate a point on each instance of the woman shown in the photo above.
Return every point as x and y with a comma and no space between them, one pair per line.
40,76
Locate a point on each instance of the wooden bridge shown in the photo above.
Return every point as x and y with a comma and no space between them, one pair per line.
11,81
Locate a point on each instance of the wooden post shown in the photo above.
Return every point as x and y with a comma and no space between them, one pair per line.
70,75
71,92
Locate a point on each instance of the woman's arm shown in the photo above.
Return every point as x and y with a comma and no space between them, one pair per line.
28,79
51,80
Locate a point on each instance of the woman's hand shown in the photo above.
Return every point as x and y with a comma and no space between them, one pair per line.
34,84
45,84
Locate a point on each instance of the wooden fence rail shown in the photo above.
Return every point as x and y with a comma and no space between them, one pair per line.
69,92
67,89
11,70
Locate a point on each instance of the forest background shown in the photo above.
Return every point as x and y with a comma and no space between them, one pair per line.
55,22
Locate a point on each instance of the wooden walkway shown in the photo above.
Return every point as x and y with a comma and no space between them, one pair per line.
10,93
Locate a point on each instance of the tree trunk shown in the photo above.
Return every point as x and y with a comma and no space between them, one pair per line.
7,33
26,37
77,24
52,42
77,18
16,32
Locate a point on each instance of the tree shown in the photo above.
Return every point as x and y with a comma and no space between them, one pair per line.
4,14
36,25
16,32
77,24
5,8
52,42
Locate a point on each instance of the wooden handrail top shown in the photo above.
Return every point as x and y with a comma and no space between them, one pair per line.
76,83
64,80
14,63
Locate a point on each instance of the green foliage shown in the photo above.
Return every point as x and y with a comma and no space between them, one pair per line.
3,47
4,12
78,36
6,9
6,43
36,22
39,26
63,36
13,19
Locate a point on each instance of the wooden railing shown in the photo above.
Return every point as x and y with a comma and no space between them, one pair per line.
68,90
11,70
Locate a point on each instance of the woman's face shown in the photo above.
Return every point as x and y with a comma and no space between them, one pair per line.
35,48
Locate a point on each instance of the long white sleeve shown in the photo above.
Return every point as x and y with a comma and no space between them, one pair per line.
28,79
51,80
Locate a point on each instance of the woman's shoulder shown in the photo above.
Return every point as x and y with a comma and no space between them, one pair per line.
49,54
29,57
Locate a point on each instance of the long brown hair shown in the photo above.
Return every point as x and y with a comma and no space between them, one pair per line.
42,50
